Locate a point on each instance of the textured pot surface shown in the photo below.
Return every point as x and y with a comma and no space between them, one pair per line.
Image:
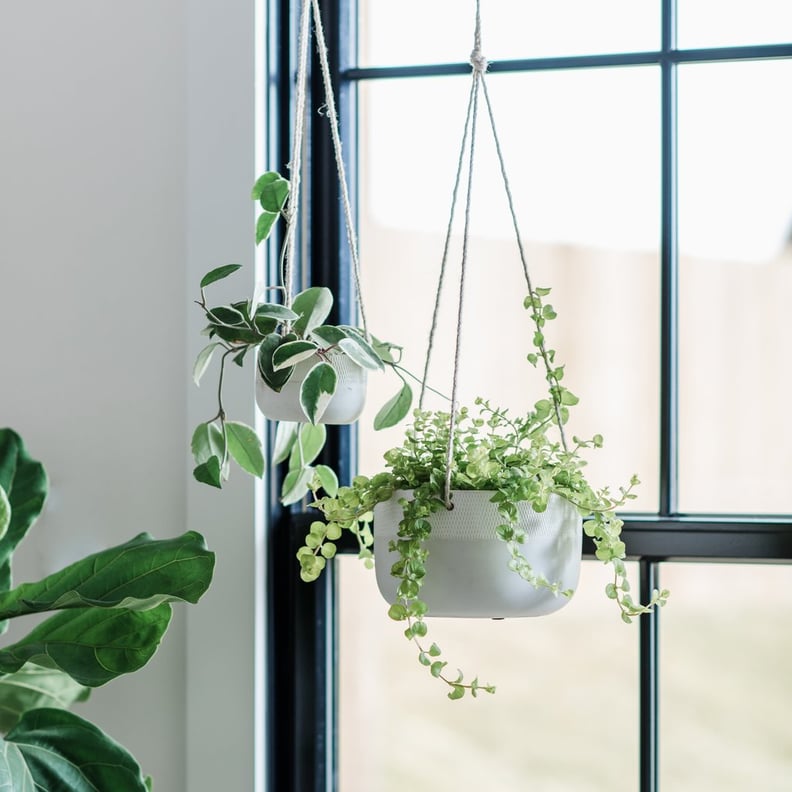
345,407
467,572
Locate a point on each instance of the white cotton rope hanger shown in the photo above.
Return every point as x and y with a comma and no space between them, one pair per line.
311,8
480,65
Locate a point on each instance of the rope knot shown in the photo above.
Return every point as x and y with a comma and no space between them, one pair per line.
478,61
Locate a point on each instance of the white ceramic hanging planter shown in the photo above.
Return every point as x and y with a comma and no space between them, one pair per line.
467,572
344,407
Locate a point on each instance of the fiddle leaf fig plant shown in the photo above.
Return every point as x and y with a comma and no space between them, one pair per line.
281,338
109,612
518,459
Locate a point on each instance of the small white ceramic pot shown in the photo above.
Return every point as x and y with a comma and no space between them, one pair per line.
344,407
467,572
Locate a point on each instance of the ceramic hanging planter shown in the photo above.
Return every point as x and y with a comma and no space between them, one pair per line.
467,568
308,372
343,407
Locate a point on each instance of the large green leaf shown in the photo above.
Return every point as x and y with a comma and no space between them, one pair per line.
57,751
91,645
140,574
34,686
317,389
313,305
244,446
25,484
5,512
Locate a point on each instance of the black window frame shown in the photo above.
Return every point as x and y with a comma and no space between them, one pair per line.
301,653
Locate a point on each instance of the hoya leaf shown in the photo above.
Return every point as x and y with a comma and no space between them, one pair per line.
140,575
34,686
239,357
207,442
218,274
56,749
276,311
273,379
271,190
328,479
203,360
209,472
285,435
244,446
359,350
291,353
295,485
328,335
264,224
314,306
317,389
5,512
385,350
311,442
91,645
395,409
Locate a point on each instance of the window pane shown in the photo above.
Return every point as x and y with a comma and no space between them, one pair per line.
564,717
713,23
414,31
725,681
581,151
736,278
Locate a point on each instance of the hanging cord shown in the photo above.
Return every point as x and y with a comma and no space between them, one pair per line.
446,247
480,65
541,346
339,160
295,166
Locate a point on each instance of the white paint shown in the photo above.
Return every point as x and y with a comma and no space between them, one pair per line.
126,151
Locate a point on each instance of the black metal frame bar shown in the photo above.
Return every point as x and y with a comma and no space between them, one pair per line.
302,643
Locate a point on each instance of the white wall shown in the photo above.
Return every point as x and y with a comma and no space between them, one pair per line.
126,155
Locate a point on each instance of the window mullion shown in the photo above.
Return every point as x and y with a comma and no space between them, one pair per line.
669,267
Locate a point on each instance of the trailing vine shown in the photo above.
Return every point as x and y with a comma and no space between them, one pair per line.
516,457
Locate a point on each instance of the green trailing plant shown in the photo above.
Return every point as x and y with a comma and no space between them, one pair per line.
279,338
109,612
519,459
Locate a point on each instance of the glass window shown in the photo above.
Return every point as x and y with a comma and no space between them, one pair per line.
582,152
566,698
735,166
414,31
725,682
713,23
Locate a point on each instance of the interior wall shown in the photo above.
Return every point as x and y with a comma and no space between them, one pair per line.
126,151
